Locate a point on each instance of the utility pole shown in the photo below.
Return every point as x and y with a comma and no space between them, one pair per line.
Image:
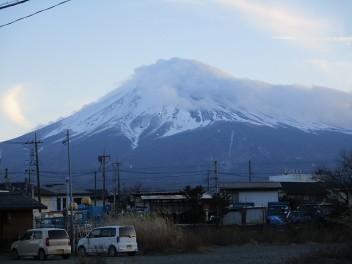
117,180
116,168
95,188
67,142
29,175
102,160
216,187
28,186
208,181
35,142
250,171
115,189
216,176
7,180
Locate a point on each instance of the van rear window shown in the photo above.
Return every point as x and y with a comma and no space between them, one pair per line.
57,234
127,232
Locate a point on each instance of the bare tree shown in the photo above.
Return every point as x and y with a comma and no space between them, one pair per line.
194,196
338,181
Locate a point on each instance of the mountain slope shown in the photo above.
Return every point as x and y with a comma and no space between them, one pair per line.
179,95
181,112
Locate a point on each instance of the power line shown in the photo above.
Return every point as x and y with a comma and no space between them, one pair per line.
35,13
13,3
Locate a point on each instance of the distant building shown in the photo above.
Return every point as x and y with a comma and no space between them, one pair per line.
298,187
55,197
295,176
173,204
257,193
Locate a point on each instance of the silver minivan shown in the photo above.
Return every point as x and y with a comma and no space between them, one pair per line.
110,240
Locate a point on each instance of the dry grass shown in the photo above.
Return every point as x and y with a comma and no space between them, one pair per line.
158,235
154,233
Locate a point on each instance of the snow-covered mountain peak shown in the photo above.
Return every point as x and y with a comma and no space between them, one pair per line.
172,96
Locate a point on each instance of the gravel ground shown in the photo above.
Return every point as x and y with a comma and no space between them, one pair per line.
247,254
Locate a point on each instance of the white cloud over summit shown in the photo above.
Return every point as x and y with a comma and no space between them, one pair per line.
191,85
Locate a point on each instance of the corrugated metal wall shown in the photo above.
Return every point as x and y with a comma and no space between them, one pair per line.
259,198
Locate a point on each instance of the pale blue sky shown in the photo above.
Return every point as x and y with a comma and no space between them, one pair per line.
53,63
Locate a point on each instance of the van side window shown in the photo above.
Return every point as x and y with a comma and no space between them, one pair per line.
127,232
37,235
108,232
95,233
27,235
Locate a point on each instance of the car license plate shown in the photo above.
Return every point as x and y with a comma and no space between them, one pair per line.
129,247
59,251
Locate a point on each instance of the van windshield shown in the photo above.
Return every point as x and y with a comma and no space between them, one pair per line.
127,232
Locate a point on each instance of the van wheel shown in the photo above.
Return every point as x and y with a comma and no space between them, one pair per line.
112,251
41,254
132,253
82,251
14,254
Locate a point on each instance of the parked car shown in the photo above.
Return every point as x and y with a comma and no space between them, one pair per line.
316,211
110,240
298,217
275,220
41,242
276,213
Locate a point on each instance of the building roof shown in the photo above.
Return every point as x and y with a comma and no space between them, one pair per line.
57,189
250,186
163,197
168,196
18,201
61,190
303,188
23,187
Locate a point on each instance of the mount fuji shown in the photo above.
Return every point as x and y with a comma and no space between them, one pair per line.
170,121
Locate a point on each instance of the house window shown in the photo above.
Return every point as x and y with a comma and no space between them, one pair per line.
58,204
64,203
234,198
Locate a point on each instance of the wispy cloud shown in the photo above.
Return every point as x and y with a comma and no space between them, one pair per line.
347,40
322,65
12,107
287,23
339,70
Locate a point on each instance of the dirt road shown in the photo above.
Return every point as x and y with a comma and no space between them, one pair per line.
247,254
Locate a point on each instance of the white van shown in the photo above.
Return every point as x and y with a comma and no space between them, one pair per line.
41,242
109,239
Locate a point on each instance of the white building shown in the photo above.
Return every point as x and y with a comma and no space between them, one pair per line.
257,193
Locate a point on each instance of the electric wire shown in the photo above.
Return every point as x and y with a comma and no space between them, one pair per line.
13,3
35,13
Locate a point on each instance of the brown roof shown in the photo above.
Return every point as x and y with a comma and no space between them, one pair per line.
18,201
